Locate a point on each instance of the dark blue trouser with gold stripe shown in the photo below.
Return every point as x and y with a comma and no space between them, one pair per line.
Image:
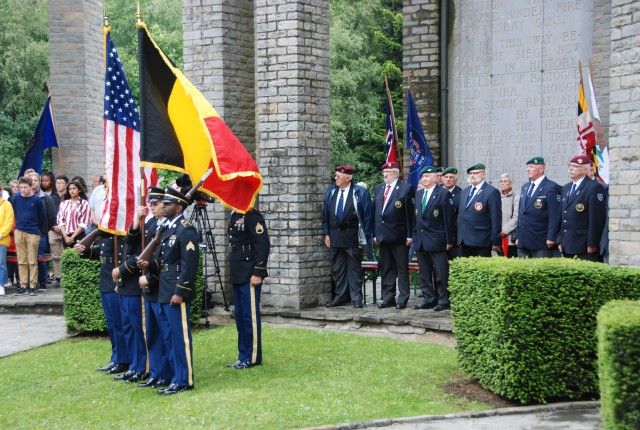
174,321
247,315
158,357
111,308
133,327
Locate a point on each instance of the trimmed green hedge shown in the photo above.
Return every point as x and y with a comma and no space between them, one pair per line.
526,328
82,307
619,364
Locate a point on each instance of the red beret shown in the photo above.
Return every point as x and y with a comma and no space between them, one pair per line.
390,165
347,170
580,159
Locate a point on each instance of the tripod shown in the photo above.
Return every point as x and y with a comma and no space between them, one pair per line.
200,218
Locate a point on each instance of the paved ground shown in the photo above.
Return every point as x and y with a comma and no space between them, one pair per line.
21,330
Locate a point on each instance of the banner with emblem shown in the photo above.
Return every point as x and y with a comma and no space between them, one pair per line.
419,153
600,150
586,132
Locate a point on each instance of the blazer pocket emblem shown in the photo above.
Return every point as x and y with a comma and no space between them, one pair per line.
398,204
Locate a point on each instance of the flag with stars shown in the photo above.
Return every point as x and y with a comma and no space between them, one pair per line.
121,146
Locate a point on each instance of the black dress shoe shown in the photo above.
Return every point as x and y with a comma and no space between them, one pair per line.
357,305
441,308
161,383
125,376
174,389
425,305
386,305
333,304
233,365
244,365
148,383
106,368
399,306
137,377
118,368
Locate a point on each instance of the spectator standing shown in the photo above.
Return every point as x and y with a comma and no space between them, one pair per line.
31,219
479,216
450,181
538,213
583,213
48,183
347,207
49,206
74,214
97,200
510,202
55,234
393,220
6,225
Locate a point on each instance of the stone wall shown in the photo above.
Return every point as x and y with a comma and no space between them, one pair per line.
77,85
421,62
624,134
292,113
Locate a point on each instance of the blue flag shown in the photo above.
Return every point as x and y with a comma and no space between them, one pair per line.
419,153
43,137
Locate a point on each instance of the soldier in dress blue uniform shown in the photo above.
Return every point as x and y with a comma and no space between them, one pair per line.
433,237
159,367
583,213
110,300
450,180
249,241
538,213
178,261
393,218
479,216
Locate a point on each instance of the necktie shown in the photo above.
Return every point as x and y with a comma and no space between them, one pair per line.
340,209
386,194
424,200
573,189
470,196
531,188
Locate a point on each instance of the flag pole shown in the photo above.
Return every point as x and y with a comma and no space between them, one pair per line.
395,130
55,127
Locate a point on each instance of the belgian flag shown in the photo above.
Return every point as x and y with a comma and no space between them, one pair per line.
181,131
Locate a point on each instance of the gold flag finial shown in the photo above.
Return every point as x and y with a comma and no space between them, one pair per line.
139,16
105,18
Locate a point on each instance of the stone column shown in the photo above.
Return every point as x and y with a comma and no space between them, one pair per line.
77,84
624,137
421,50
292,90
219,60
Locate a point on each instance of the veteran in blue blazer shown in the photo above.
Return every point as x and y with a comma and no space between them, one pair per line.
538,214
583,213
479,216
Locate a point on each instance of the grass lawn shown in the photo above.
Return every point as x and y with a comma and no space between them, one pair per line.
309,378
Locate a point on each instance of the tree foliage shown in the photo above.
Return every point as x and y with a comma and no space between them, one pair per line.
366,45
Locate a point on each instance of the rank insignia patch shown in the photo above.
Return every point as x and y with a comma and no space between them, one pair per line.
259,228
190,246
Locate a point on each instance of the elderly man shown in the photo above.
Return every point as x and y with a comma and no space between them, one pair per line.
347,207
539,213
393,220
479,216
583,213
449,180
433,237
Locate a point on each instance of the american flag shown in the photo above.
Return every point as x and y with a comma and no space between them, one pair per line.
390,138
121,146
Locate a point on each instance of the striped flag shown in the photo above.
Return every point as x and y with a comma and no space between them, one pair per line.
181,131
390,137
121,146
601,149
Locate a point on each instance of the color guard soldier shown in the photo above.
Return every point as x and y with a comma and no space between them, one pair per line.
539,213
179,255
583,213
249,241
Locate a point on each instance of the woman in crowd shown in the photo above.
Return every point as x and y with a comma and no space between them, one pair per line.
47,183
510,202
74,214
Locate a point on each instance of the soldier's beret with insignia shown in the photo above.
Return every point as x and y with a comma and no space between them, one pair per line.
390,165
536,160
155,194
428,169
347,170
172,195
478,166
450,170
581,159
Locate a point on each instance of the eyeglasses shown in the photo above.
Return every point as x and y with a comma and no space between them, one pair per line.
476,172
577,166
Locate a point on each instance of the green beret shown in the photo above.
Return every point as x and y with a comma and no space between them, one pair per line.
536,160
428,169
478,166
450,170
